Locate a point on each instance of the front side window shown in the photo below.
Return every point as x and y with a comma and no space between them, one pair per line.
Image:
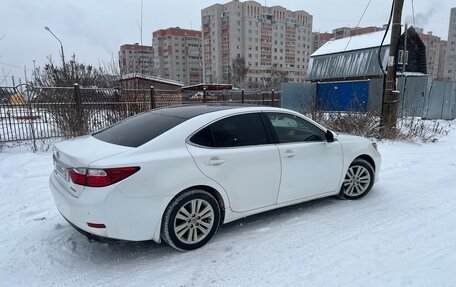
291,128
235,131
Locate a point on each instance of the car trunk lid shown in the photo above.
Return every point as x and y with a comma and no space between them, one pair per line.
79,153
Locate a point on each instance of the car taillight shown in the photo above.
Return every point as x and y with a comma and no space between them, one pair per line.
100,177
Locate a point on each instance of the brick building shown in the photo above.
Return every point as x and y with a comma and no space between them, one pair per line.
435,54
450,60
136,59
268,38
178,55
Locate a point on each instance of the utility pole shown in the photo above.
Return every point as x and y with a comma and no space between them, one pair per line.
391,95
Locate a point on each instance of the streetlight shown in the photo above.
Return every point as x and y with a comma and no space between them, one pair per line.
61,45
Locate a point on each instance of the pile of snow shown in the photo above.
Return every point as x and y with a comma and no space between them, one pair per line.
401,234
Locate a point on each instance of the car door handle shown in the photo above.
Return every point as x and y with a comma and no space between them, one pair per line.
289,153
214,162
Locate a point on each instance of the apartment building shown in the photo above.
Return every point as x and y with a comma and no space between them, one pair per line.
268,38
342,32
178,55
435,54
450,59
135,58
442,58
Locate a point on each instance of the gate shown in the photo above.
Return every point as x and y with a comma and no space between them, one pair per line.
343,96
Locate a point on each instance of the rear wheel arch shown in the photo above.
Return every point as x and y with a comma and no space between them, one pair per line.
212,191
191,219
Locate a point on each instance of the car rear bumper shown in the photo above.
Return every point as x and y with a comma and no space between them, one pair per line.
132,219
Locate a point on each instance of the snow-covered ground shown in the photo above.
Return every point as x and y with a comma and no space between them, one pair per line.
401,234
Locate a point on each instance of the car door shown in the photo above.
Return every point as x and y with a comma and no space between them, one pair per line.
310,164
236,152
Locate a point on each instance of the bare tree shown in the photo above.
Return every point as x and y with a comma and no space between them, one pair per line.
69,73
239,71
277,78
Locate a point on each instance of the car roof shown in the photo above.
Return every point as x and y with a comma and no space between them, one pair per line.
190,111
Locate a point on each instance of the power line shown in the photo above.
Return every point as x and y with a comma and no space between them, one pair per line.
357,25
383,40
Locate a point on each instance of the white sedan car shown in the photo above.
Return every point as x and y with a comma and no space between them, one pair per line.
178,173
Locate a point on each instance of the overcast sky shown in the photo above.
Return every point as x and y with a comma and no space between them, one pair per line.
94,30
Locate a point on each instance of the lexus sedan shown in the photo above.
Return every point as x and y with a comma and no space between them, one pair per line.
176,174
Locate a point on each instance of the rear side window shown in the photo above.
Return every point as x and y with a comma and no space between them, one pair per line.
235,131
139,129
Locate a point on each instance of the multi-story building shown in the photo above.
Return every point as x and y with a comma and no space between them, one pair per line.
441,65
268,38
178,55
435,54
450,59
364,30
136,59
342,32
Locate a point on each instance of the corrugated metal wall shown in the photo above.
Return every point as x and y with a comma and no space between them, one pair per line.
413,95
300,96
441,100
420,96
350,64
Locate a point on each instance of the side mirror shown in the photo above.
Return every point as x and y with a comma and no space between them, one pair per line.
329,136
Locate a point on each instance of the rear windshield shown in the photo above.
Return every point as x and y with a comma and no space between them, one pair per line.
138,130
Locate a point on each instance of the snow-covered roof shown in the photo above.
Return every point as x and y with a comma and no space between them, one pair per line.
358,42
151,78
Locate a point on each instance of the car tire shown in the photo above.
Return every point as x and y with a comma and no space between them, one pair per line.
190,220
358,180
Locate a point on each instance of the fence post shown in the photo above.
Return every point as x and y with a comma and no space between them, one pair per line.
262,95
32,124
242,96
272,98
78,108
152,98
204,95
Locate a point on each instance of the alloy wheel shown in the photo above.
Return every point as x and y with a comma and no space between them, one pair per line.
194,221
357,181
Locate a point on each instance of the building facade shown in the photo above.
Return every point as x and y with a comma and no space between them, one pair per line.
435,54
270,39
136,59
450,58
342,32
442,58
178,55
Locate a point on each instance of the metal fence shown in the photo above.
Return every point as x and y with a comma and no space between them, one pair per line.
420,97
31,113
253,97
